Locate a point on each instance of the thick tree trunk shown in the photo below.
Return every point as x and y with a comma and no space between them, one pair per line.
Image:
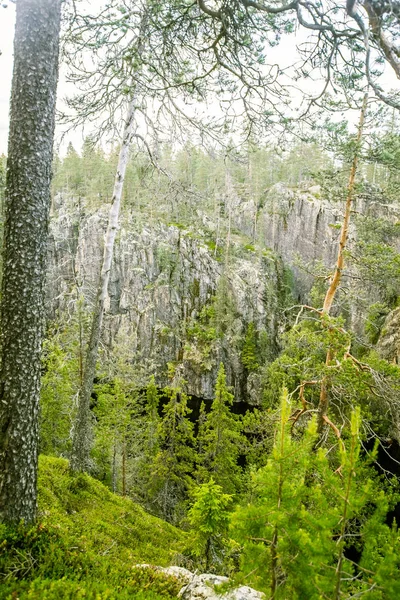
27,203
82,438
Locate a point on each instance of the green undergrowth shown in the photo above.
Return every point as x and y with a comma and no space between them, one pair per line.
86,544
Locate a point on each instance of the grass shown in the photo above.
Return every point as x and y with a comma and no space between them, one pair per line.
86,544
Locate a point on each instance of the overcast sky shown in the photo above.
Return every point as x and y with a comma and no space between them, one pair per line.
284,53
7,25
7,22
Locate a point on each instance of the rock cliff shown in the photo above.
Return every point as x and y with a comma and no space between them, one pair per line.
165,276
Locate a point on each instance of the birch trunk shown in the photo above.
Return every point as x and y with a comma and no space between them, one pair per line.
27,204
82,436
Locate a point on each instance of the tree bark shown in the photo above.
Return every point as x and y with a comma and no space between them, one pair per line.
124,468
27,203
82,438
337,274
344,234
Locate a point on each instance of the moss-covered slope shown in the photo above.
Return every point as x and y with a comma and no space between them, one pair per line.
86,544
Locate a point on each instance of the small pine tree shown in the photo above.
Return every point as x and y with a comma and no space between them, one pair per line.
220,440
271,526
224,307
304,514
150,445
209,517
118,411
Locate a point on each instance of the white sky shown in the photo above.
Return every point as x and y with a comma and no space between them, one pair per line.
284,53
7,21
7,25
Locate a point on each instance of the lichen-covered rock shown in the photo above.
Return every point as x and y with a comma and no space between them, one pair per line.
162,277
388,344
205,585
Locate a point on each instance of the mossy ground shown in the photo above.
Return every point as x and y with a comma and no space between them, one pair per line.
86,544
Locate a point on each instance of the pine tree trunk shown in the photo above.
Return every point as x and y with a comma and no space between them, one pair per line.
344,234
82,438
339,267
124,469
27,203
114,468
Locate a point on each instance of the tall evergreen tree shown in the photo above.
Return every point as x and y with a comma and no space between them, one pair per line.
173,464
220,440
249,352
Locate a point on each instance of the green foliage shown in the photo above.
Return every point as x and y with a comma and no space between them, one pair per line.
153,419
147,428
220,441
249,352
303,512
376,257
276,548
172,465
384,152
372,384
65,589
376,316
86,544
209,518
118,412
167,259
303,356
224,307
258,427
201,336
62,359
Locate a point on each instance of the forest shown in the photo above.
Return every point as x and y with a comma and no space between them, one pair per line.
200,301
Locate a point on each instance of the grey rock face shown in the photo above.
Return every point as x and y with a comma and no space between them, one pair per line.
388,344
304,229
164,275
300,224
161,279
297,225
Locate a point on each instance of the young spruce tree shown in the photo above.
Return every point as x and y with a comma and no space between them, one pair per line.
219,441
172,465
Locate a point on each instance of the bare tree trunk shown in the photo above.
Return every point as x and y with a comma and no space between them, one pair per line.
27,204
124,468
114,467
337,274
82,438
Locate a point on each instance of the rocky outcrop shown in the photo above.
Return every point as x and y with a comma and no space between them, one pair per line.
388,344
303,228
205,586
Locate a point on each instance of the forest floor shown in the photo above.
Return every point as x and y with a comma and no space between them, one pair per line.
86,544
